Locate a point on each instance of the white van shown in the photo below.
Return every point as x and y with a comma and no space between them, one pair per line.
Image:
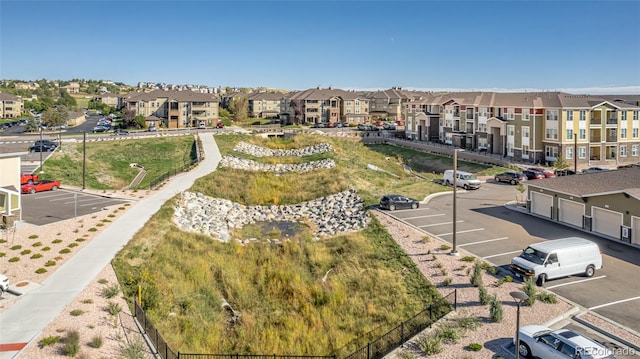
558,258
465,180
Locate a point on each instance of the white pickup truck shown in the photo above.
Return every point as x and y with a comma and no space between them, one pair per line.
4,283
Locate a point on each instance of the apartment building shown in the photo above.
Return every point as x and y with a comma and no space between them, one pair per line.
174,109
531,127
72,88
110,99
264,104
10,106
325,105
389,104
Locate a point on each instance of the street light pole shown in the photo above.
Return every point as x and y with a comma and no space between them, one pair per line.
575,152
454,250
41,170
519,297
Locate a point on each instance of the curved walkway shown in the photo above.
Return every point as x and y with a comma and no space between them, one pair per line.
27,317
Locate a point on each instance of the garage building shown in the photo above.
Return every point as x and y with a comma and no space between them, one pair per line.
605,203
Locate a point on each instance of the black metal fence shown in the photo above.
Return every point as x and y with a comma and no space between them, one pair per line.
397,336
374,349
172,172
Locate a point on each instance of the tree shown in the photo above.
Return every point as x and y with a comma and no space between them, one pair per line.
55,117
560,163
128,119
140,121
239,108
66,100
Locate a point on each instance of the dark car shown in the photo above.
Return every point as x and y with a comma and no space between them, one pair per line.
564,172
396,201
100,129
595,170
510,177
533,175
43,146
545,172
220,125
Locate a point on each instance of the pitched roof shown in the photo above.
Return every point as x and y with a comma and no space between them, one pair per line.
8,97
624,180
176,95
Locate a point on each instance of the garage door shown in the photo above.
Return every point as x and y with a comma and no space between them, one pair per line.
541,204
570,212
635,230
606,222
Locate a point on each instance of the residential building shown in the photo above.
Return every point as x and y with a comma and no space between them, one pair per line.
72,88
174,109
264,104
389,104
325,105
10,106
110,99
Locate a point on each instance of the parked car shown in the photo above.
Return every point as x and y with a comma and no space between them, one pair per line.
4,283
533,175
545,172
220,125
28,178
120,132
464,179
331,124
396,201
43,146
595,170
45,185
631,165
362,127
152,129
564,172
100,129
541,342
510,177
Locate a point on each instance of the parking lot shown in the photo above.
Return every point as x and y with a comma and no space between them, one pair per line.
47,207
488,229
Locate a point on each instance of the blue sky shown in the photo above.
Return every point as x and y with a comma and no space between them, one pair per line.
499,45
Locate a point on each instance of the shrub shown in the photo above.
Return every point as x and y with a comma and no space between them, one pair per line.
87,301
50,263
476,278
41,270
106,220
111,291
72,245
508,278
529,288
430,345
92,229
495,311
99,224
438,265
468,258
103,281
468,323
449,334
443,271
36,256
16,247
113,308
33,236
14,259
44,249
483,293
56,241
76,312
71,344
37,244
445,247
80,239
3,241
96,342
53,339
492,270
65,251
548,298
426,239
132,350
447,281
25,252
2,254
474,347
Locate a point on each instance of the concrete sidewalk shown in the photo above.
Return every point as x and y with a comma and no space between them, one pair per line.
24,320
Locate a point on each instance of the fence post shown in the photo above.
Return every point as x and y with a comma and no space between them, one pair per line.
402,332
455,299
430,315
368,350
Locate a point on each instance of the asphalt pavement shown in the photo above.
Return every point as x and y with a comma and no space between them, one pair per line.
27,317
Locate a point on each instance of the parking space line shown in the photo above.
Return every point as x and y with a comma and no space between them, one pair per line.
612,303
502,254
574,282
468,230
439,224
427,216
480,242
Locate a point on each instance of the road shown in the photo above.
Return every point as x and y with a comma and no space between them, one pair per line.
488,229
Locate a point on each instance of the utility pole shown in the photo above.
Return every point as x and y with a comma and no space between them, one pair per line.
84,158
575,152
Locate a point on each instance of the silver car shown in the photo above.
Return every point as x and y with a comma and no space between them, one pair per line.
541,342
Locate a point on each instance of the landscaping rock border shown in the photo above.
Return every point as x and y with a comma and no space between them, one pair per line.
259,151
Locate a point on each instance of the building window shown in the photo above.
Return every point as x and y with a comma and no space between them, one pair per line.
634,150
510,130
582,133
634,132
525,131
582,152
551,133
552,115
551,151
635,115
583,115
525,114
569,115
623,115
569,133
623,151
569,153
623,133
525,150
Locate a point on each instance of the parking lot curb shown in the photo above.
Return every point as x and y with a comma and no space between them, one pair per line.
564,316
586,323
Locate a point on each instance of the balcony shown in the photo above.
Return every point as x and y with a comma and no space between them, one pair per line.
612,138
595,139
612,121
596,121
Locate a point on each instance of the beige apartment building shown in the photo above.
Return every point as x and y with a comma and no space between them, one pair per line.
174,109
325,106
264,104
110,99
10,106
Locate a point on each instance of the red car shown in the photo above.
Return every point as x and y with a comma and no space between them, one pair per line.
45,185
28,178
220,125
545,172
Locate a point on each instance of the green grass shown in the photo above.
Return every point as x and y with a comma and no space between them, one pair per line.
108,163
